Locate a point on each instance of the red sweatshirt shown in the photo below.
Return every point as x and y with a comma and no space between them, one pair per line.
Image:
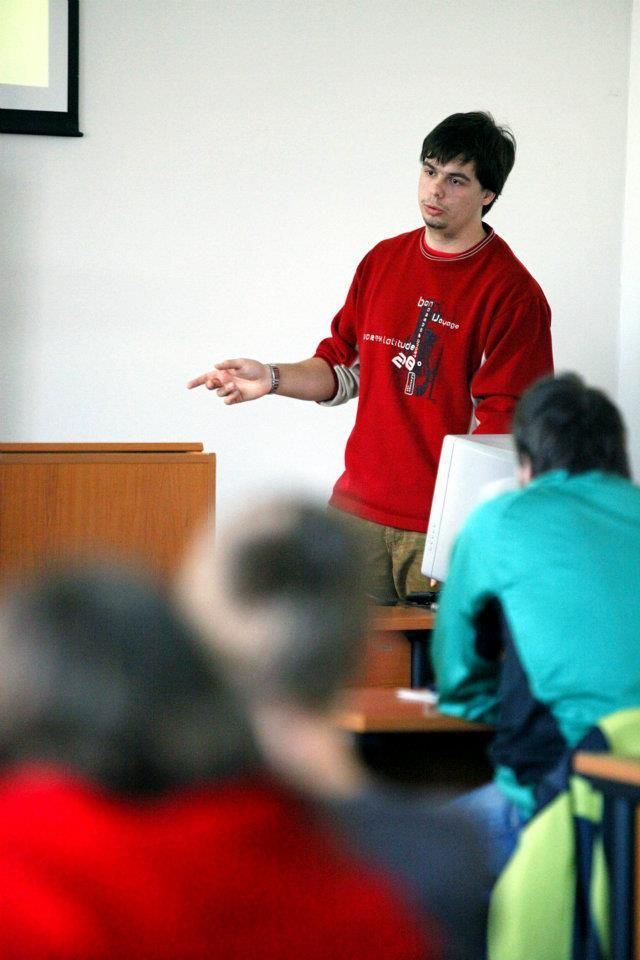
421,324
228,872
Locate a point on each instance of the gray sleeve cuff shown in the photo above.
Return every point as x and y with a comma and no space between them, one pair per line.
348,379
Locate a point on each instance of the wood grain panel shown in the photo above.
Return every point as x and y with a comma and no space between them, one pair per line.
386,660
141,505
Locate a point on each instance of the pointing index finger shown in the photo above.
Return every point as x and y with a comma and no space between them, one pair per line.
197,382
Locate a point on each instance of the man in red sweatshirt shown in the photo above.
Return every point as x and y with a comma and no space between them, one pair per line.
442,330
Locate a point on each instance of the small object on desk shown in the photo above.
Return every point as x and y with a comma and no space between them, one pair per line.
422,598
421,695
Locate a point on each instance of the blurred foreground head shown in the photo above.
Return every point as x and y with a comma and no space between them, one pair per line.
281,594
99,675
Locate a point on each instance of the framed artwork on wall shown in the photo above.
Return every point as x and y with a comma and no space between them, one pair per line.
39,67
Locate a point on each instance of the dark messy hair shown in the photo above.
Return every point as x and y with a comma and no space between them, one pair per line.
561,423
474,137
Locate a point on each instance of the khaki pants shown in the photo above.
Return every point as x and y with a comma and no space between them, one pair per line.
393,558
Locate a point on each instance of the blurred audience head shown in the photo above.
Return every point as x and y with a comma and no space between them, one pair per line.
99,675
282,596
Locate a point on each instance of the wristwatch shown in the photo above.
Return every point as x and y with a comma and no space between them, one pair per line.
275,377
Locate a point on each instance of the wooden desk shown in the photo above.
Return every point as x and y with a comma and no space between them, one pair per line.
402,617
412,744
380,710
396,652
604,766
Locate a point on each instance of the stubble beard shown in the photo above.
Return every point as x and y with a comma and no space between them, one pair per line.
434,224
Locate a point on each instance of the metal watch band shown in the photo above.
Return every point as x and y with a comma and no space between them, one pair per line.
275,377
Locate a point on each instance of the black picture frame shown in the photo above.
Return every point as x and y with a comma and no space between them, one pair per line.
53,123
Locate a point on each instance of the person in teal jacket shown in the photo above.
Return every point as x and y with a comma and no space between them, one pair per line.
539,621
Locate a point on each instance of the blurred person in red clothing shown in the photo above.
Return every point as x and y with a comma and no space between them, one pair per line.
136,819
279,596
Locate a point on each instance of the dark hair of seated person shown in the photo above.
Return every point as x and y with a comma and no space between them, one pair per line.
99,676
560,423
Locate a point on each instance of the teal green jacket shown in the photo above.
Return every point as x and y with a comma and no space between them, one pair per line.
538,628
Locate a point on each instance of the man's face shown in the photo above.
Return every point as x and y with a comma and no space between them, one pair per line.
451,198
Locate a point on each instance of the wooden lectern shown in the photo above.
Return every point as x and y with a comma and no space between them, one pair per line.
138,501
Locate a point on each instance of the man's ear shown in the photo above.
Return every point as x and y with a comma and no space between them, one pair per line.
524,472
487,197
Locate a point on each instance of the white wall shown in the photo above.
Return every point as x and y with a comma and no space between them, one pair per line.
238,160
629,386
